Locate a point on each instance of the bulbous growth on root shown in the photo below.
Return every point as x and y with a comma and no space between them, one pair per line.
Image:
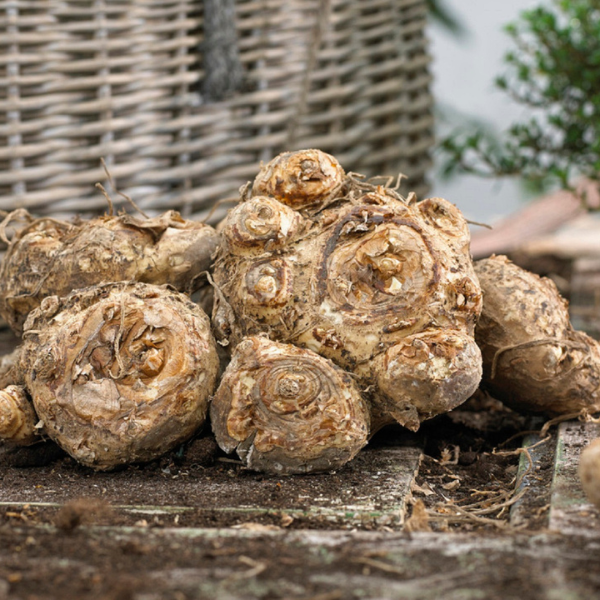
425,375
288,410
301,179
533,360
119,373
589,472
258,224
352,279
49,257
17,417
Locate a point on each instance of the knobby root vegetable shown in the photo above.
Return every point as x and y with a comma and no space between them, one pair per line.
310,178
48,257
533,360
379,284
17,418
589,472
119,373
418,375
288,410
10,372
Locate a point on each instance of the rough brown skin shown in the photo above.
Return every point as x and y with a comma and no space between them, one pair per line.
49,257
589,472
533,360
119,373
422,374
17,417
301,180
287,410
356,279
10,373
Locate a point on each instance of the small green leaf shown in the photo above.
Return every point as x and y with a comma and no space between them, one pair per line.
554,71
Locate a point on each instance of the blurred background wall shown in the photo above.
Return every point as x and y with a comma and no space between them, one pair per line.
464,67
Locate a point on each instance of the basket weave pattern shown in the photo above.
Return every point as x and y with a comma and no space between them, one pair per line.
121,80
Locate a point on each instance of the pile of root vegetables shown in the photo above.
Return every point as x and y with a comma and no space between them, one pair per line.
337,306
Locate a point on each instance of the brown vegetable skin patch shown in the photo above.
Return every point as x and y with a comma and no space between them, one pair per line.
301,179
260,224
533,360
369,257
50,257
589,472
17,417
120,373
10,370
288,410
425,375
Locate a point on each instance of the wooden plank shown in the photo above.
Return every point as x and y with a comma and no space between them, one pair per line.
570,512
577,239
232,564
532,487
351,504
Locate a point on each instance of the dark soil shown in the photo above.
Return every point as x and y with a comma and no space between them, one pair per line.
472,456
460,459
202,487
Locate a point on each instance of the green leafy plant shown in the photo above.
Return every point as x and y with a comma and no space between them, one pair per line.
554,71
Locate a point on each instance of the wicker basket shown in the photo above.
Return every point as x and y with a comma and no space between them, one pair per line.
121,80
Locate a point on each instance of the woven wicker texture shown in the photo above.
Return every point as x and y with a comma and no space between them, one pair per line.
122,80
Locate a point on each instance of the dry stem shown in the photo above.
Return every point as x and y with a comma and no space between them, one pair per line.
114,187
